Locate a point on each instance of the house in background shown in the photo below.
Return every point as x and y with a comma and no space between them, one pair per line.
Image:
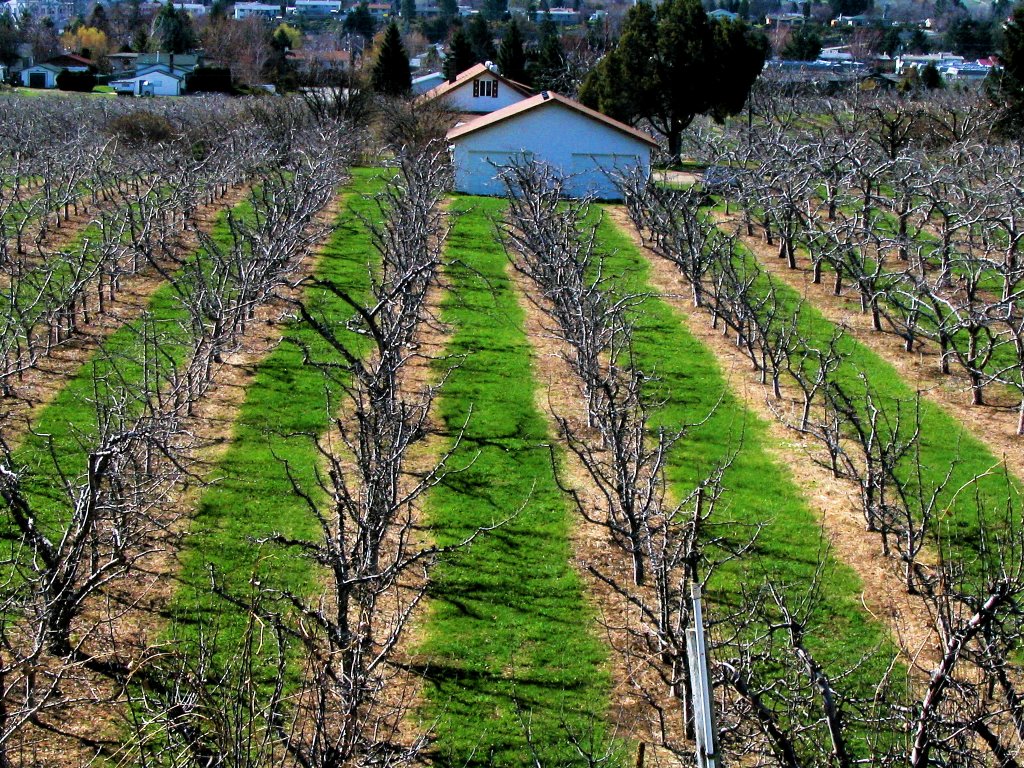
122,62
44,75
477,91
40,76
583,146
427,82
73,63
262,10
154,82
309,62
156,74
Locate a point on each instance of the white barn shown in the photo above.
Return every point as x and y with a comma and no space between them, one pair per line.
584,146
479,90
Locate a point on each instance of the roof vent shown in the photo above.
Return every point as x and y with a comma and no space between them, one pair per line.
544,95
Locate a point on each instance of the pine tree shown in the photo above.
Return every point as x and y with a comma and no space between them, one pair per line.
494,10
460,54
408,12
481,39
172,30
1007,89
511,54
390,74
98,19
449,9
549,67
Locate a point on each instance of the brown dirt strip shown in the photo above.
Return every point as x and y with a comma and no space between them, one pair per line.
995,423
558,395
835,501
140,628
59,230
40,384
403,695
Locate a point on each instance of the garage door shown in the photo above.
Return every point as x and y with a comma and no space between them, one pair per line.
36,79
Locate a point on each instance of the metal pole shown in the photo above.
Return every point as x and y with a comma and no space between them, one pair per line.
700,676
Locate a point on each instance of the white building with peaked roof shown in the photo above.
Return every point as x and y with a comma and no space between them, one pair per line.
584,146
479,90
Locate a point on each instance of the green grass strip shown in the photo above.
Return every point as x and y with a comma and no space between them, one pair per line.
287,402
508,640
66,428
760,490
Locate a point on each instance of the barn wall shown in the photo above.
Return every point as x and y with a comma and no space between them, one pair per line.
577,145
461,99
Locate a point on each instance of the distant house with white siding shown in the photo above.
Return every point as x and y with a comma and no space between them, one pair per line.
584,146
261,10
154,82
477,91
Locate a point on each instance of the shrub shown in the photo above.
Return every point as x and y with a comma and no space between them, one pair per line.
209,80
81,82
141,127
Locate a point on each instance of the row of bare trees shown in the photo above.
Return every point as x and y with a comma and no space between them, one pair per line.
662,545
149,221
336,695
921,222
791,707
88,517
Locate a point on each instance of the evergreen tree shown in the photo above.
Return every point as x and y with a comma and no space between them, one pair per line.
98,19
408,12
481,39
494,10
803,45
460,54
449,8
672,64
512,55
9,39
360,21
549,67
172,31
390,73
931,78
140,40
1007,86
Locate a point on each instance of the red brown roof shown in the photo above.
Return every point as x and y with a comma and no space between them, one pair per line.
541,100
466,77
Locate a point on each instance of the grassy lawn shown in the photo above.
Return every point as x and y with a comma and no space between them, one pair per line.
287,403
759,489
509,641
966,509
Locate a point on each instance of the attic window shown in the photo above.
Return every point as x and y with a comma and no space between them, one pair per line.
485,88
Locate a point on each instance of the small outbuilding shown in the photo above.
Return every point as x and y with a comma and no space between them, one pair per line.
584,146
40,76
479,90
